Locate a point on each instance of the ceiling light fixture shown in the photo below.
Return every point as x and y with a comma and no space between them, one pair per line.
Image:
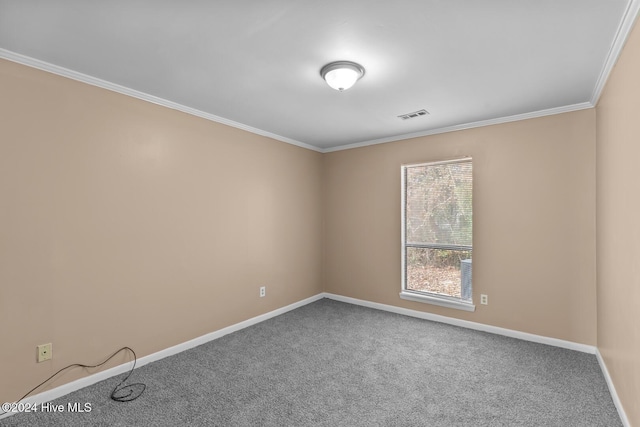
341,75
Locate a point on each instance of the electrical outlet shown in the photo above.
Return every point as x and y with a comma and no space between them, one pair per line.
263,291
44,352
484,299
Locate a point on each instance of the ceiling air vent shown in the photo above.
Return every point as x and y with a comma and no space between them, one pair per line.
414,114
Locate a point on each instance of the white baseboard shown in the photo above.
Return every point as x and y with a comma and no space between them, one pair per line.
103,375
500,331
94,378
467,324
612,390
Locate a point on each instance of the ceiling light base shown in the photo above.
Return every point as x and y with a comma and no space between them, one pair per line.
341,75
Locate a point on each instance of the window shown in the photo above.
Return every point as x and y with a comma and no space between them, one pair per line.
437,233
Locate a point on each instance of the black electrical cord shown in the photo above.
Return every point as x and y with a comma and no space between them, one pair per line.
121,393
135,390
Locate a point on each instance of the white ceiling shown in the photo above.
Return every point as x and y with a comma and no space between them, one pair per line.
255,64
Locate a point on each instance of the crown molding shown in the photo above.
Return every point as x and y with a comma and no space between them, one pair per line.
471,125
94,81
620,38
624,29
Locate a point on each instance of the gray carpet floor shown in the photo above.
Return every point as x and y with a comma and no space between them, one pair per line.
335,364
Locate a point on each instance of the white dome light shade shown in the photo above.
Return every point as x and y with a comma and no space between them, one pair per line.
342,75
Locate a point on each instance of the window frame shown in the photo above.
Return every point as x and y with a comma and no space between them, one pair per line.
420,296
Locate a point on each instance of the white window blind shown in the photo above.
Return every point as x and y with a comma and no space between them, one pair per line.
439,204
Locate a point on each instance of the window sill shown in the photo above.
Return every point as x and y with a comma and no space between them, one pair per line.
442,301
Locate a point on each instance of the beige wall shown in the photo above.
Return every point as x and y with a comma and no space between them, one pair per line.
534,222
618,222
126,223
